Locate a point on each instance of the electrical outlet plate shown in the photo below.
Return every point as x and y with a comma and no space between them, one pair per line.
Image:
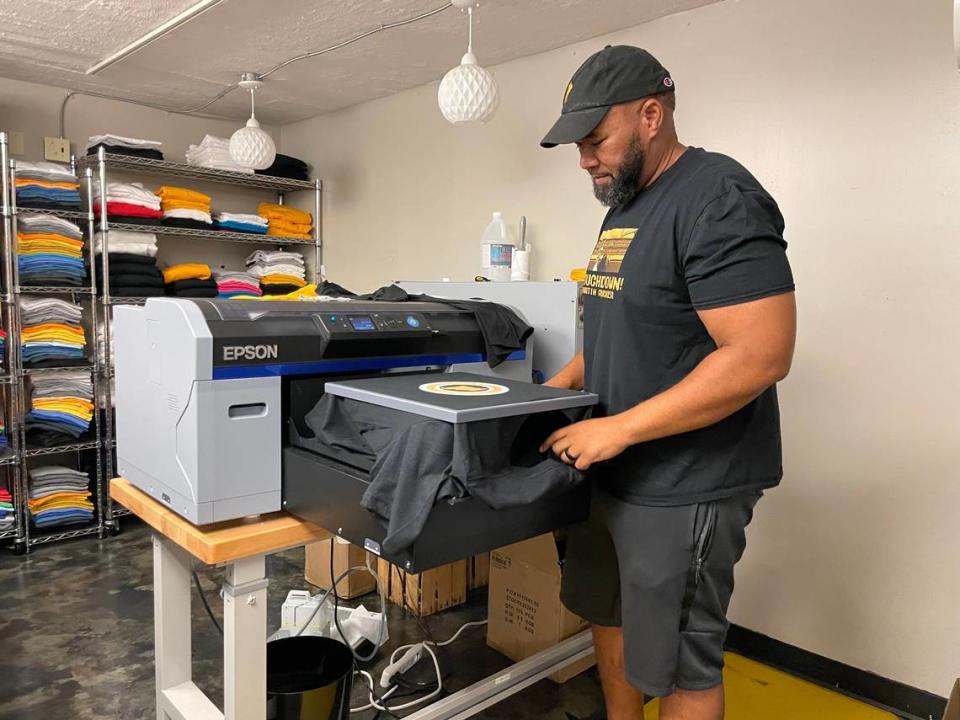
16,143
56,149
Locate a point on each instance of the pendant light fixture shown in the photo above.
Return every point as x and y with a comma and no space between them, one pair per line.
468,94
252,146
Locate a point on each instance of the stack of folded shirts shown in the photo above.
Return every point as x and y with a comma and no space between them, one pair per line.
130,203
51,333
120,145
287,167
240,222
214,152
59,496
235,284
61,408
47,185
130,243
7,518
280,272
49,251
3,431
133,264
190,280
185,208
286,221
102,344
131,276
3,347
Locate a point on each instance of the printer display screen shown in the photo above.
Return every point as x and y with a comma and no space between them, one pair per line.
362,323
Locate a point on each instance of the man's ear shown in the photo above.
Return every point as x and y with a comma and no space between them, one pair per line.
651,115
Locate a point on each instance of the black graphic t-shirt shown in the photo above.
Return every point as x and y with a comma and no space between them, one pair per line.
704,235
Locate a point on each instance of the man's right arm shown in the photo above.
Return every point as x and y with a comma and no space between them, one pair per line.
570,377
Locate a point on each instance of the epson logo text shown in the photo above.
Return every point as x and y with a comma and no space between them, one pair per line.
249,352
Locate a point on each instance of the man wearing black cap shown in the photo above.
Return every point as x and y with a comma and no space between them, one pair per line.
689,322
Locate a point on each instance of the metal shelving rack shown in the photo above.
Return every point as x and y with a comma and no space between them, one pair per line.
10,458
24,535
102,164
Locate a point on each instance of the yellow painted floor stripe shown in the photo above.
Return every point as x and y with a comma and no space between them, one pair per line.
758,692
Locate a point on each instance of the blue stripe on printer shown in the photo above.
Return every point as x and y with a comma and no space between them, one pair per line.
234,372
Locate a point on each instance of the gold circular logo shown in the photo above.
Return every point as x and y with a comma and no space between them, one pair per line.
464,389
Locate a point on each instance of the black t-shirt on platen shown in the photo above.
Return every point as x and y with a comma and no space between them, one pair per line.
704,235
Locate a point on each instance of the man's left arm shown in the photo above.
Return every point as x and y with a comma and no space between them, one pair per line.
755,342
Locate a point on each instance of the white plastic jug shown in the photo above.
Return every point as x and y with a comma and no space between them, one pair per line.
496,247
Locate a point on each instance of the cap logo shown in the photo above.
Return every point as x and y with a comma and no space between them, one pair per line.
668,81
566,95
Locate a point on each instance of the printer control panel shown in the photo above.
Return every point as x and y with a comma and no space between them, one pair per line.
352,323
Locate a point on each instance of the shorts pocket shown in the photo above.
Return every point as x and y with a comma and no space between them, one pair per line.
704,529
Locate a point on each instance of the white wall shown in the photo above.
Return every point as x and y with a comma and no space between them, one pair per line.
34,110
847,112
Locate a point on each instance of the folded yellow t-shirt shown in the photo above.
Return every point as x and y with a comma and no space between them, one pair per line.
169,192
272,211
23,182
186,271
305,293
291,227
24,237
281,279
72,405
282,233
52,331
185,205
48,248
61,500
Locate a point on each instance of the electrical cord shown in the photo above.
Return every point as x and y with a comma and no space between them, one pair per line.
398,683
203,599
233,86
355,38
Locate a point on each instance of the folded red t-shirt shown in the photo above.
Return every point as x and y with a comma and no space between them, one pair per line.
128,209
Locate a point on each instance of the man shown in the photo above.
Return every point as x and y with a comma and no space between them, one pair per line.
689,322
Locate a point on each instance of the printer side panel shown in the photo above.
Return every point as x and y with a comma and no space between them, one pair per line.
236,426
208,449
162,349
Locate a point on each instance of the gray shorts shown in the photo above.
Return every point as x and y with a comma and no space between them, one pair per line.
665,574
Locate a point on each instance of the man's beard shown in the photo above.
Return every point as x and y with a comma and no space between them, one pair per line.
625,183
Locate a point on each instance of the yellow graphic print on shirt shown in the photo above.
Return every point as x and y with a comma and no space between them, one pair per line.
603,272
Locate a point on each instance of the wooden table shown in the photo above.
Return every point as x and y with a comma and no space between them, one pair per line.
241,546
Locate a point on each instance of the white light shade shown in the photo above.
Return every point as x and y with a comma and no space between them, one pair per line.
253,147
468,94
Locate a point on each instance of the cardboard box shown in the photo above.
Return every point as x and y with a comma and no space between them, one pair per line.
428,592
345,555
953,704
478,571
525,612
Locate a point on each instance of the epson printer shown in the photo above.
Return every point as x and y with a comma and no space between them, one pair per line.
211,396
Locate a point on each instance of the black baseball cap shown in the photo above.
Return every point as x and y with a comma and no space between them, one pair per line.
617,74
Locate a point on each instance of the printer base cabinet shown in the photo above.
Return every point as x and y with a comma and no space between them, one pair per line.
525,613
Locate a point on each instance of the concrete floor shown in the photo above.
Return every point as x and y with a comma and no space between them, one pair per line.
76,636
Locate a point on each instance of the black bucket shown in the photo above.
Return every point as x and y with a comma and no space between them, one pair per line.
308,678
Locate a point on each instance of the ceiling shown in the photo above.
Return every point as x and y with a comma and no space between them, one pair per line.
44,42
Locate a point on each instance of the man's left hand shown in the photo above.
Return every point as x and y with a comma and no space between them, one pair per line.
591,441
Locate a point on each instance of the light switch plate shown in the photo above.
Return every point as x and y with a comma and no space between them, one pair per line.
56,149
16,143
